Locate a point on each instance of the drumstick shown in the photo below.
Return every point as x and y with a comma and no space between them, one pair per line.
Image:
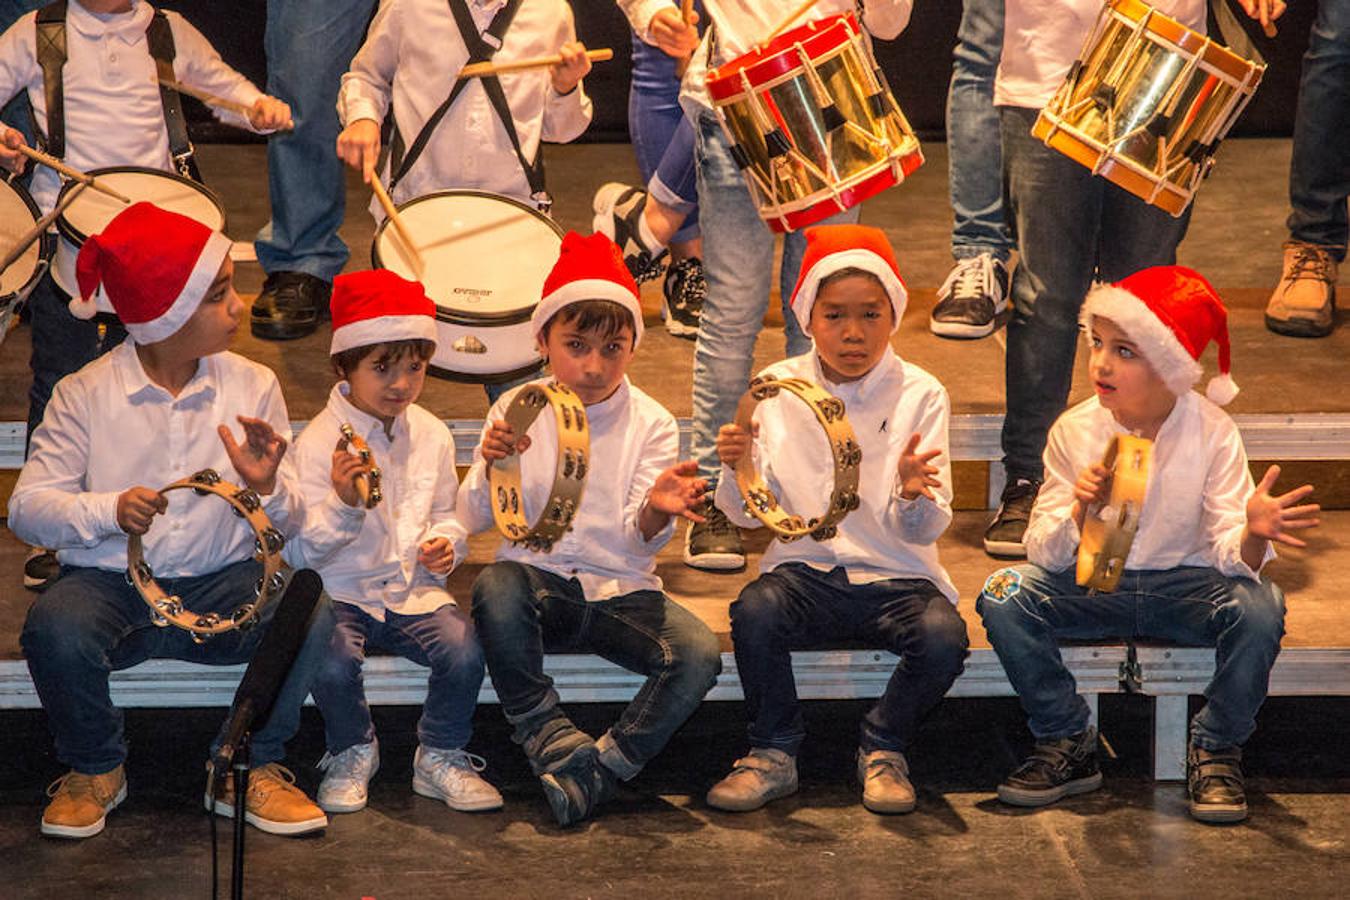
52,162
419,266
41,226
538,62
792,17
216,100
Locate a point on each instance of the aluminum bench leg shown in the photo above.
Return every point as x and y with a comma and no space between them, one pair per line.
1169,737
1091,701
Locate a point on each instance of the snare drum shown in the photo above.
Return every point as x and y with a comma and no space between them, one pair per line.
91,212
1147,103
812,123
18,216
487,257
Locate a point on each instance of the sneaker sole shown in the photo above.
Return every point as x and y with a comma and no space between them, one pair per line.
891,809
1215,814
1005,549
1300,328
1019,797
221,808
715,562
960,331
428,789
674,326
559,801
731,805
330,807
37,584
85,831
270,332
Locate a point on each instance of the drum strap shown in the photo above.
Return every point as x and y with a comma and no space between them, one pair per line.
1232,32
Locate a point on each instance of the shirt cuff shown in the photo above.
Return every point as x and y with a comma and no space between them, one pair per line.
356,107
103,513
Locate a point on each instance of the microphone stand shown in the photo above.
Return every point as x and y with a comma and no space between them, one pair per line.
240,766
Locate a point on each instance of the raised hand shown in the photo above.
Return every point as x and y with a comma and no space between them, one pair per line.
1273,517
678,491
137,506
437,555
916,471
359,147
733,442
257,460
347,469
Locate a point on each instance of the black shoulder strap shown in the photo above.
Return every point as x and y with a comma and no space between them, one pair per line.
51,56
159,40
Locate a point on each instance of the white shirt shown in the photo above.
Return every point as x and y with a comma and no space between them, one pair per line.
109,428
368,558
411,55
633,439
1195,507
1042,38
887,536
113,112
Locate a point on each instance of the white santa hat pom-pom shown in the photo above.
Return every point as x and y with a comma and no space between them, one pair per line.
1221,389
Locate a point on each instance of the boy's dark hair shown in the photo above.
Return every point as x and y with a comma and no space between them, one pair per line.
345,361
603,316
849,272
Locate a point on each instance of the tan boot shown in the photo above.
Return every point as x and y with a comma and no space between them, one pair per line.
1304,302
884,776
763,775
274,804
80,803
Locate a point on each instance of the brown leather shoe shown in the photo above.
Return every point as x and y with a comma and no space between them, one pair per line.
274,804
1304,302
884,776
81,803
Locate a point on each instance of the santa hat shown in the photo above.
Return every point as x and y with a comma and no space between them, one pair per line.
1171,313
588,268
154,266
375,306
832,248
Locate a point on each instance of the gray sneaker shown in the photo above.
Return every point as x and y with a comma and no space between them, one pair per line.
452,776
884,776
759,777
346,776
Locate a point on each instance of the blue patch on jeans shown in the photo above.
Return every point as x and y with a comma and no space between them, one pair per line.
1003,585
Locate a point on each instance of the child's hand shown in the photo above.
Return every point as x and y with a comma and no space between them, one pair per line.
256,461
567,73
437,556
733,442
137,506
672,34
359,147
270,114
1271,518
347,469
10,157
1266,11
678,491
1093,486
500,442
916,471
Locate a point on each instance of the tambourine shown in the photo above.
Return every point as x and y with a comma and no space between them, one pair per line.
169,610
368,485
760,502
1108,531
569,479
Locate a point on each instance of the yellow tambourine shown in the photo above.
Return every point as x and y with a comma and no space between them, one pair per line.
1108,531
368,486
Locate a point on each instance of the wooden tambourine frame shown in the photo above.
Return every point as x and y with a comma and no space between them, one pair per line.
368,485
760,502
169,610
1108,531
569,479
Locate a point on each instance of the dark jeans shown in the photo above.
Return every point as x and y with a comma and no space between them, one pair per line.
520,611
1027,609
442,640
1319,172
92,622
1071,227
796,607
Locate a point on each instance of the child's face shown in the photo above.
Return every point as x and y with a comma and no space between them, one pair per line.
1123,379
590,363
384,388
212,327
851,324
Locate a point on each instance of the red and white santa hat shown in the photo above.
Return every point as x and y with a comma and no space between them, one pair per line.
376,306
1171,313
589,267
832,248
154,266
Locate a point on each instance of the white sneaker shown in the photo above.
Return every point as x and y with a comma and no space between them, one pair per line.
346,775
971,300
452,776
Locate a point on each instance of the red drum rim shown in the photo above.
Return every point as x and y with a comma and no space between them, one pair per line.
1193,42
77,237
778,57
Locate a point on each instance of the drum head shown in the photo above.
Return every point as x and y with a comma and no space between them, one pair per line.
90,212
18,215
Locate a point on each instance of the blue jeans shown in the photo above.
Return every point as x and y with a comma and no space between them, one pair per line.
974,152
796,607
92,622
521,610
309,44
442,640
738,263
1031,608
663,138
1072,227
1319,172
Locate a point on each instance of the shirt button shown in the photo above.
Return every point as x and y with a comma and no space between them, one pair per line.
112,57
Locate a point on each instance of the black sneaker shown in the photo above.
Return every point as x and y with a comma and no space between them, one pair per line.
1215,785
714,544
1055,769
290,306
972,298
682,297
578,789
1003,537
618,210
40,569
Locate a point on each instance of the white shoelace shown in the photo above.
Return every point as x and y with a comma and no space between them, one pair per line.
972,277
350,763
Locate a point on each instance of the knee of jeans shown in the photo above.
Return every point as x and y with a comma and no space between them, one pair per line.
341,665
1260,609
697,662
458,658
501,593
1000,603
57,630
942,635
757,614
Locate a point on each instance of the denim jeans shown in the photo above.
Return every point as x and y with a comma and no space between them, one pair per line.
309,44
974,151
663,138
1026,609
1071,227
520,611
442,640
738,263
796,607
92,622
1319,172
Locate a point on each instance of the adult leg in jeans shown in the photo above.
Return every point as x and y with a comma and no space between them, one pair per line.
1135,235
663,139
1319,175
444,641
339,687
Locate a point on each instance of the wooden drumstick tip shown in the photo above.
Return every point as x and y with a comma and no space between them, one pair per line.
1270,29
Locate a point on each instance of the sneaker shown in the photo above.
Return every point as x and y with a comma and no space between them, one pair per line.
1215,785
682,297
884,776
80,803
761,776
715,544
274,804
1055,769
1304,302
452,776
1003,537
290,306
40,569
346,775
618,215
972,298
576,790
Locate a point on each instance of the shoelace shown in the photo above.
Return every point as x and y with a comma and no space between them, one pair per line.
718,523
878,763
1310,263
457,759
344,764
74,783
1014,495
690,289
972,278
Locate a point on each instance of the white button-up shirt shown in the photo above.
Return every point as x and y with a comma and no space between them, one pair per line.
410,58
368,558
887,536
108,428
113,112
1195,507
633,439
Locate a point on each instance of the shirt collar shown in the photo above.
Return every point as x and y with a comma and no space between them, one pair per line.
887,367
138,385
363,423
127,27
601,412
